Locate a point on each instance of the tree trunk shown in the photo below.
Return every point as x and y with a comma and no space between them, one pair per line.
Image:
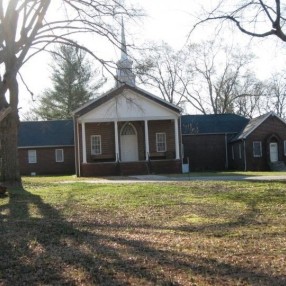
10,172
9,125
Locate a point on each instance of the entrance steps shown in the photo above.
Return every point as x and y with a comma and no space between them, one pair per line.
277,166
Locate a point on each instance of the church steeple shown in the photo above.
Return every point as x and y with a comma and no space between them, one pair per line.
124,65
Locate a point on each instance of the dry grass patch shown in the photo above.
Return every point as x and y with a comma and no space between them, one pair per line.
189,233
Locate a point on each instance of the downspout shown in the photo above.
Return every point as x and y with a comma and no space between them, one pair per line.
244,152
226,151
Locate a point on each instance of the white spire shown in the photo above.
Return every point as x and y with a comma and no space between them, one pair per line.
123,42
124,65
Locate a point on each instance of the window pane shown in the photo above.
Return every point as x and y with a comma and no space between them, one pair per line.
32,156
95,145
59,155
257,152
161,142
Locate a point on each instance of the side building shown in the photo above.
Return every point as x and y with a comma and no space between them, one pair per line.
206,139
261,145
220,142
46,147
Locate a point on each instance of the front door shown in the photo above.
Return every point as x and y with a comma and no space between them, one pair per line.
273,147
128,143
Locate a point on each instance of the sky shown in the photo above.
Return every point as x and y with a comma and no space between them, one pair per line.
166,20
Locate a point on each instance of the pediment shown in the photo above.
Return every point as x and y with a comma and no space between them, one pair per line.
129,105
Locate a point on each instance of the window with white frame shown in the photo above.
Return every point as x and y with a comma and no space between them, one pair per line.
257,149
59,153
284,147
95,144
32,156
161,145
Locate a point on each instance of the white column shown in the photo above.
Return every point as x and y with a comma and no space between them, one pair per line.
83,142
116,141
177,139
146,139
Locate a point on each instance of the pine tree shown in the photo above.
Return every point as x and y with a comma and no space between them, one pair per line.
71,84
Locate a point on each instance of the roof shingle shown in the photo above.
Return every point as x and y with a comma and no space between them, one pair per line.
46,133
213,123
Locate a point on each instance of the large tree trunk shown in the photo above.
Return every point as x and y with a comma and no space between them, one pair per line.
9,149
9,125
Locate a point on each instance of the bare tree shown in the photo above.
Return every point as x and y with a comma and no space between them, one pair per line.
251,103
162,68
221,79
276,94
261,18
26,28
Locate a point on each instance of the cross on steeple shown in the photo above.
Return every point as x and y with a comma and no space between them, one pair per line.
124,65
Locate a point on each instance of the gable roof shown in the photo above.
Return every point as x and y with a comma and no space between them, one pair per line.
253,124
46,133
212,124
118,90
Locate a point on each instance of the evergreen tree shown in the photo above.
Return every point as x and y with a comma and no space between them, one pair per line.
71,84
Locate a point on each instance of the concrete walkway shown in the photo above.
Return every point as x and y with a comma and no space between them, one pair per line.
172,179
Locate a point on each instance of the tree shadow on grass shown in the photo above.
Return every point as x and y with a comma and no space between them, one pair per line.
39,246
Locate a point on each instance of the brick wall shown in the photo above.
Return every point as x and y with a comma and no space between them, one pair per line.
106,130
271,129
159,126
205,152
46,161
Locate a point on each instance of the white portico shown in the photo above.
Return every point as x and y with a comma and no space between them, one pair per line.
127,125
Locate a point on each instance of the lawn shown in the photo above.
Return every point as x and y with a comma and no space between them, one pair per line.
186,233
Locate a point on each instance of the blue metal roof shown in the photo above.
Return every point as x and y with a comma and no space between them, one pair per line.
46,133
213,123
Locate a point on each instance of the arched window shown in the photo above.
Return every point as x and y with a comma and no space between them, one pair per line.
128,129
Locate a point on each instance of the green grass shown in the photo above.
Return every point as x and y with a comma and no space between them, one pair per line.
187,233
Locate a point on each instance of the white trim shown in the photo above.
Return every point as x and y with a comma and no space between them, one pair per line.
32,158
123,119
78,150
116,141
56,156
121,144
83,137
156,98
